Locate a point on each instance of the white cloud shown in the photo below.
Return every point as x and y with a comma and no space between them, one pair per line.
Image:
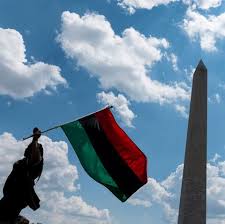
215,98
221,165
215,192
189,72
57,186
59,209
164,193
120,104
19,78
203,4
173,58
136,201
132,5
167,193
207,29
182,110
215,158
120,62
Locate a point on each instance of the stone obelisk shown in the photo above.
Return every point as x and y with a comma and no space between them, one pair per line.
192,208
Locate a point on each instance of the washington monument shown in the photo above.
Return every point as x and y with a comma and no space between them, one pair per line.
192,208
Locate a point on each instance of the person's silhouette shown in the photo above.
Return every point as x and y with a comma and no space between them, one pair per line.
34,155
18,190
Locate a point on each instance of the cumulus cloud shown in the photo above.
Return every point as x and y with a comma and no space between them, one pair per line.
203,4
166,193
132,5
119,62
57,187
207,29
19,77
59,209
120,104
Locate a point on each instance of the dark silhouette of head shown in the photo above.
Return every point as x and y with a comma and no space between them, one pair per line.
36,133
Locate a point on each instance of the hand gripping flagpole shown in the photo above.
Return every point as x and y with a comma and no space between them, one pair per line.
58,126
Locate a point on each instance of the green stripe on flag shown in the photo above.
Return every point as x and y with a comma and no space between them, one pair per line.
88,157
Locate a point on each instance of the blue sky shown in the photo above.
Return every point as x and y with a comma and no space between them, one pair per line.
63,59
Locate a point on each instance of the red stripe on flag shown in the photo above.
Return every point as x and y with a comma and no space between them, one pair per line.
123,145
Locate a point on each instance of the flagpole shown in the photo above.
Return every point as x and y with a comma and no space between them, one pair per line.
57,126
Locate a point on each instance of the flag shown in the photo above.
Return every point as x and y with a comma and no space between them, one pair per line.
107,154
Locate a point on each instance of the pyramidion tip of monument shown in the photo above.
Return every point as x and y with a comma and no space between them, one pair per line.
201,65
